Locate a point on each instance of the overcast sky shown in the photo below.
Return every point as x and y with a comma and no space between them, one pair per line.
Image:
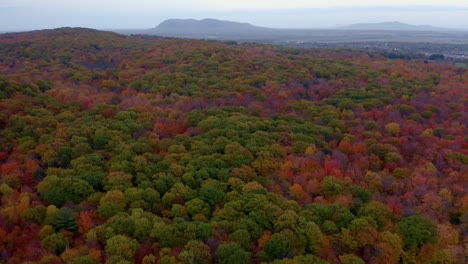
17,15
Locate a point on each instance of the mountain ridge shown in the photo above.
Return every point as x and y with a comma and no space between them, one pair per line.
394,25
216,26
205,26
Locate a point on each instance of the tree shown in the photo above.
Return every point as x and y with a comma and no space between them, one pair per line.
232,253
360,195
284,244
115,196
118,181
122,225
86,221
198,206
94,178
243,238
166,235
378,211
101,137
391,248
65,219
351,259
204,231
122,246
142,225
195,252
416,231
109,209
211,195
331,186
84,260
309,259
57,190
55,243
393,128
310,235
236,155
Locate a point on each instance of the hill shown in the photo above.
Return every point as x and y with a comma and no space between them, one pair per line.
383,36
205,26
143,149
398,26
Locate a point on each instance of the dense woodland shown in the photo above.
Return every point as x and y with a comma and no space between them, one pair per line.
124,149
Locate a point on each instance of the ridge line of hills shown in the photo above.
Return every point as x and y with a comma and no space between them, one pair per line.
245,32
216,25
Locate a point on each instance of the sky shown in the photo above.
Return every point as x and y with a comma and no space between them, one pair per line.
21,15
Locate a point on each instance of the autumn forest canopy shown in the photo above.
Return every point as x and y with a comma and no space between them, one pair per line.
142,149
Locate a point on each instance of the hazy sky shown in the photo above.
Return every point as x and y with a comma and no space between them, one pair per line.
122,14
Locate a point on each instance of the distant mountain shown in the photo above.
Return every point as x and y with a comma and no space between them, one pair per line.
222,30
391,26
204,27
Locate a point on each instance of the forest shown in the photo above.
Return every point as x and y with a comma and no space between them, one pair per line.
143,149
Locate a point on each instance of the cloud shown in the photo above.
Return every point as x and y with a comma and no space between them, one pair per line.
300,4
221,5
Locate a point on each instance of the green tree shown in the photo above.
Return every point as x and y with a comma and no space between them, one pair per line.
118,181
83,260
310,235
331,186
329,227
232,253
93,178
282,245
204,231
195,252
211,195
360,195
122,225
122,246
142,225
379,212
351,259
101,137
243,238
416,231
55,243
288,220
166,235
109,209
115,196
309,259
236,155
65,218
36,214
134,198
198,206
57,190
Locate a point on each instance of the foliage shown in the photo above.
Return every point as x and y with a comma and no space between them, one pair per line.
55,243
232,253
146,149
417,231
64,218
122,246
